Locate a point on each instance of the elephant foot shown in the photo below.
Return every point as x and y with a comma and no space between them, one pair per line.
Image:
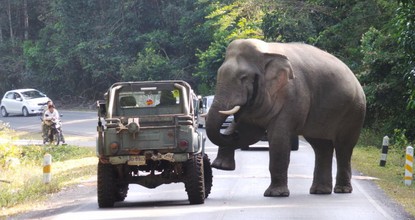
343,189
277,191
225,160
320,189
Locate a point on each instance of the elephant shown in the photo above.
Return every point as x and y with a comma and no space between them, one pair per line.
286,90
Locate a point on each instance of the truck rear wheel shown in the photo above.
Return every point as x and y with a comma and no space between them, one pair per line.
194,182
106,187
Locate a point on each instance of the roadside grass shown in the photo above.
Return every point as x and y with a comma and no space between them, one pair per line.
21,172
24,135
366,158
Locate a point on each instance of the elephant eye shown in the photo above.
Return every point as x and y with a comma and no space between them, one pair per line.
243,78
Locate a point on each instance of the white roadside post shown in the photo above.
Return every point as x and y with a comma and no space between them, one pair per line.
47,163
384,155
409,165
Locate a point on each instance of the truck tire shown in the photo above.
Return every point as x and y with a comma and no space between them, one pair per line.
194,182
106,187
208,176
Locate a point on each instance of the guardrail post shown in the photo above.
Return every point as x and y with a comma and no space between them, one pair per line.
384,155
409,165
47,163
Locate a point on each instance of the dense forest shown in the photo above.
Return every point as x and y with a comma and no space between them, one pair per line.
73,50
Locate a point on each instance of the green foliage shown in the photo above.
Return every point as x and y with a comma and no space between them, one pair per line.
399,140
405,23
84,46
7,151
12,67
342,26
58,153
381,81
149,65
384,76
406,26
226,22
370,138
289,24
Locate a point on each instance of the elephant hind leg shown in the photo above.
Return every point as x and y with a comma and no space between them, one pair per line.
322,180
344,143
344,152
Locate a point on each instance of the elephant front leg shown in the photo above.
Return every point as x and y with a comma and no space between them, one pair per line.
278,187
278,168
225,160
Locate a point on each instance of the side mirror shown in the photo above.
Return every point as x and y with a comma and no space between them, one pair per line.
19,99
102,108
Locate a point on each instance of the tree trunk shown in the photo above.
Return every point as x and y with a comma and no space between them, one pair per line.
26,20
1,33
9,14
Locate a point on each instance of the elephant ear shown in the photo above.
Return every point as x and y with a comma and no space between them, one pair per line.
277,70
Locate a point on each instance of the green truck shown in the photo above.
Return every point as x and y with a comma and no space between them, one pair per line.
147,135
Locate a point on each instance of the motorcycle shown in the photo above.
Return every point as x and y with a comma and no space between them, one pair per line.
54,131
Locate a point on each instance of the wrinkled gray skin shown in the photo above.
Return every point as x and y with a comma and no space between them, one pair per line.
288,89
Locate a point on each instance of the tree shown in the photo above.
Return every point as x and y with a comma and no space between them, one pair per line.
290,22
385,74
406,29
18,21
226,22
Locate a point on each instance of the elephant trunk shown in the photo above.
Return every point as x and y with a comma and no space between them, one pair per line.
214,123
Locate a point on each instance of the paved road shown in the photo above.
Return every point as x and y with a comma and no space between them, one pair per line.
235,194
79,127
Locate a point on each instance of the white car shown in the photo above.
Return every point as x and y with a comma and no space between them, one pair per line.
23,102
204,109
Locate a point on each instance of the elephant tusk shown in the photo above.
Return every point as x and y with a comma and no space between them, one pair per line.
203,115
232,111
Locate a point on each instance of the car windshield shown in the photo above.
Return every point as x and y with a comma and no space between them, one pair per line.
33,94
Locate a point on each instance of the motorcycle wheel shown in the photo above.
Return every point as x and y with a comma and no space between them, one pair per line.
57,138
54,138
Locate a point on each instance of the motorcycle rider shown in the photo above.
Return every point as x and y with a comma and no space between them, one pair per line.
45,127
51,114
